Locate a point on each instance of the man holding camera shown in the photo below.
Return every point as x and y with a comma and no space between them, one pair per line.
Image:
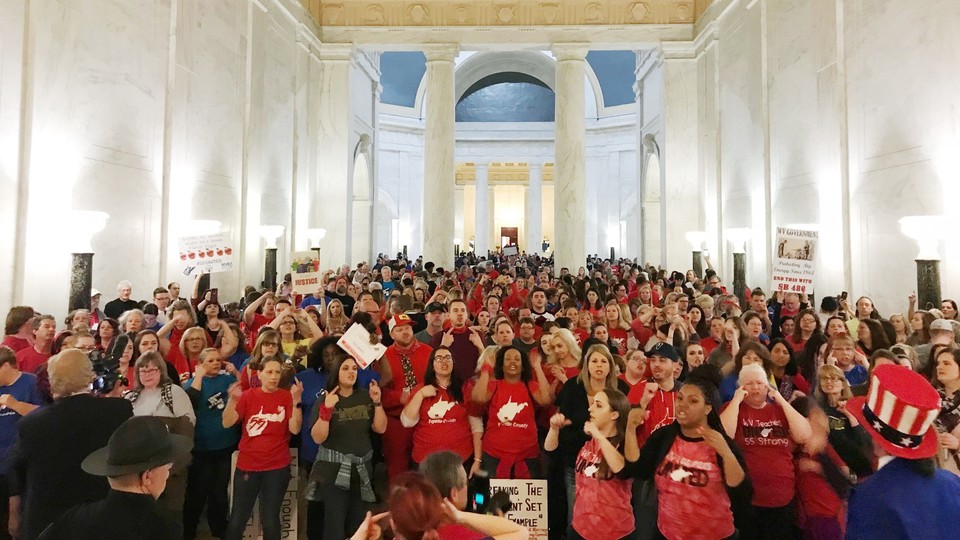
45,476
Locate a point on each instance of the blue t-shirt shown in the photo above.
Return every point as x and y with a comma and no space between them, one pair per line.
23,389
210,433
310,300
856,376
313,383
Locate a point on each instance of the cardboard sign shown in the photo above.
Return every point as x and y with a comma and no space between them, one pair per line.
528,500
207,253
356,341
794,262
305,271
288,508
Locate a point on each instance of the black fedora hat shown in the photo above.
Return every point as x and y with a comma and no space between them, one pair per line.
139,444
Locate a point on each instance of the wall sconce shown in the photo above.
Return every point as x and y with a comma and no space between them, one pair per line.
84,224
738,238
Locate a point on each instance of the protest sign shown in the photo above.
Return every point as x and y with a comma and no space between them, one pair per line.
794,262
208,253
356,342
528,504
305,271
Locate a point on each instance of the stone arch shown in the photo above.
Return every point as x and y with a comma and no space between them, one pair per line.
651,202
362,229
535,64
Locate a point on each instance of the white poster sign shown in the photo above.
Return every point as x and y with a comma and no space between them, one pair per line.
305,271
528,504
209,253
794,262
356,341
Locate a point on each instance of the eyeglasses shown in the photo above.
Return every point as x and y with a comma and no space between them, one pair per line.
831,378
195,339
444,358
269,344
148,371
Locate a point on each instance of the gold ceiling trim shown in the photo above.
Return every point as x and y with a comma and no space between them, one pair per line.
502,173
502,13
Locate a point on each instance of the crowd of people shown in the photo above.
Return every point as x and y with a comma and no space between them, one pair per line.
653,403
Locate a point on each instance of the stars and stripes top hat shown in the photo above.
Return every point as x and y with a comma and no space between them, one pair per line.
898,412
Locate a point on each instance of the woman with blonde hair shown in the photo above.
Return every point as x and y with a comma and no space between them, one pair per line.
847,436
268,344
334,320
618,324
563,358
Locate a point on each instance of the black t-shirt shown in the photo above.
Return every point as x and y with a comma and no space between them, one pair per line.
116,307
349,430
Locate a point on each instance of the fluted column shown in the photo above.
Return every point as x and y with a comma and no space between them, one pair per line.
569,193
481,227
533,220
439,167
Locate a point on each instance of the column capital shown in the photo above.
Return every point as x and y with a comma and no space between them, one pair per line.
441,52
570,51
336,52
535,166
478,166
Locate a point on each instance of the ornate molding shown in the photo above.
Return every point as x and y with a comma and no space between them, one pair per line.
418,13
502,173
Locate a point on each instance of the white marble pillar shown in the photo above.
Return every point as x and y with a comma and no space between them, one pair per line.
533,219
570,166
458,202
492,228
481,225
439,167
330,210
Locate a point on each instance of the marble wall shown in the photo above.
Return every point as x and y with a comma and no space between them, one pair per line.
160,112
840,115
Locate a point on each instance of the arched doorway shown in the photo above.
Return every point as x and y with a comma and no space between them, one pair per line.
650,210
362,203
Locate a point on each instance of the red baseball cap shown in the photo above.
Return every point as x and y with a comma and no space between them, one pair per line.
399,320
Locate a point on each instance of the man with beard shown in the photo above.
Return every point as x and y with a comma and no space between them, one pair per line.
655,402
465,344
538,306
338,291
408,360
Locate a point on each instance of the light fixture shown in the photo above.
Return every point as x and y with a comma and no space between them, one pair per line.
270,234
738,237
84,224
315,236
926,231
696,239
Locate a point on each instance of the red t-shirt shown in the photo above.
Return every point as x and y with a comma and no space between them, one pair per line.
764,436
459,532
29,359
15,343
815,495
641,332
393,392
618,336
602,507
708,344
511,425
265,433
443,425
254,327
692,498
174,356
660,410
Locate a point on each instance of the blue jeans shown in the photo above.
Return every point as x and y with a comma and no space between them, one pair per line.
269,486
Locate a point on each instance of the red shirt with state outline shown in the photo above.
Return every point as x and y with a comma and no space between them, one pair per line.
265,432
443,425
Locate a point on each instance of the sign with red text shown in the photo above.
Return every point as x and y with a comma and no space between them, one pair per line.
207,253
794,261
305,271
528,504
288,508
361,345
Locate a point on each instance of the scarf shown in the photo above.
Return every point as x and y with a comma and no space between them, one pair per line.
406,353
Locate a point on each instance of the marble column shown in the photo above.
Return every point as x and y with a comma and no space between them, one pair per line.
439,167
81,281
494,230
570,181
533,220
481,226
928,283
270,269
330,209
740,278
698,263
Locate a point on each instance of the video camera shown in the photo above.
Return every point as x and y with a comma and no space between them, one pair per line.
106,366
480,500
